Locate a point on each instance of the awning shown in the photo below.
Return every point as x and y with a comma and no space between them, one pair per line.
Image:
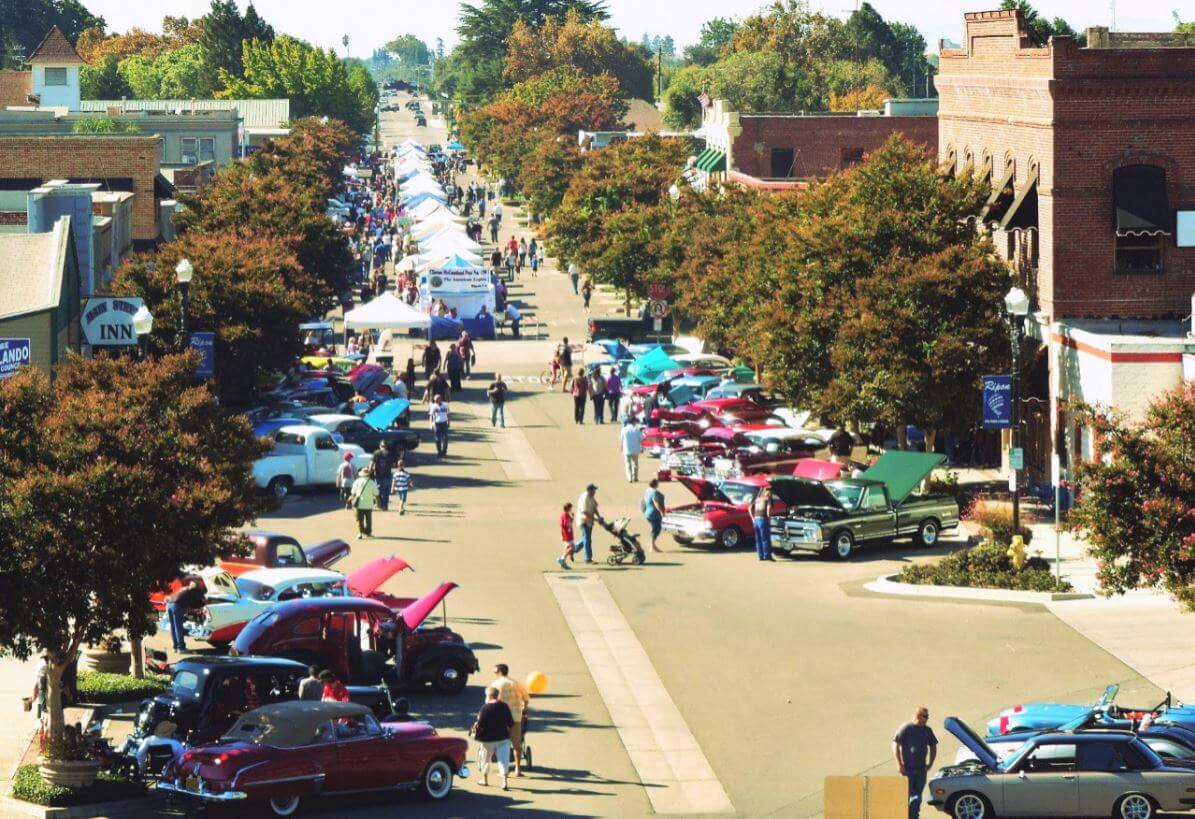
1002,196
1022,213
1139,196
163,188
711,160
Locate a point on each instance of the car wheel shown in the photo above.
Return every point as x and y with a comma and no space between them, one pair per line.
451,678
284,805
1134,806
842,544
280,486
730,537
437,780
969,806
927,533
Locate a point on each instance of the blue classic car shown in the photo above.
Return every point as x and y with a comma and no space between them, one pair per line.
1047,716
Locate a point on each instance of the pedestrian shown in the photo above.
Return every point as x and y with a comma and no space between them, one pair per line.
842,445
498,211
334,689
540,256
491,729
533,249
512,260
494,223
566,355
480,208
402,485
653,510
365,492
189,598
631,438
439,420
431,358
514,694
580,391
566,535
497,396
597,394
587,513
614,393
574,275
534,267
522,261
454,364
436,385
915,748
761,517
496,259
344,477
383,474
586,293
311,687
514,316
468,352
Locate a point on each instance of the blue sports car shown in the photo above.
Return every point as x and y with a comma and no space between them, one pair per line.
1047,716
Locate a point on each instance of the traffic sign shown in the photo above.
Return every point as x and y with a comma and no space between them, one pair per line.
657,309
657,291
1016,458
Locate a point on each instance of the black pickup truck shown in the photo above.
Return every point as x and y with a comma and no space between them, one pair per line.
630,329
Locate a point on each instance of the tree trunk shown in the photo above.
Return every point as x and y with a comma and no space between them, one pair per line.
931,439
54,668
626,304
138,658
902,436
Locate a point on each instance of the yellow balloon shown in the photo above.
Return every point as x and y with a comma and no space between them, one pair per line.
537,682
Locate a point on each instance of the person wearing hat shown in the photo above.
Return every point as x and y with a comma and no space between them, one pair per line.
344,478
587,513
162,737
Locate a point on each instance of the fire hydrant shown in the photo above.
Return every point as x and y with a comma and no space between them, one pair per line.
1016,551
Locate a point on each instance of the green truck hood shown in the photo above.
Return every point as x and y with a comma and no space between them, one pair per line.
901,471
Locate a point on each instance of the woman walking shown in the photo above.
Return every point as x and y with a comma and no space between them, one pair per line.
653,510
439,419
614,394
597,393
491,729
580,392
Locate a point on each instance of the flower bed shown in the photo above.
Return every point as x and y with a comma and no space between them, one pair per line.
29,786
99,688
986,566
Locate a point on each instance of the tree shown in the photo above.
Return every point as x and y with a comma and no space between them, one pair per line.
681,106
1134,505
410,50
93,44
224,38
24,23
115,476
869,97
181,74
1181,27
547,171
104,125
141,75
1040,29
716,35
102,81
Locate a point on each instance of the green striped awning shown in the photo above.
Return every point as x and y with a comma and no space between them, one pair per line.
702,157
711,160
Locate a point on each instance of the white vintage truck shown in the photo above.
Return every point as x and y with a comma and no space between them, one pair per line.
303,455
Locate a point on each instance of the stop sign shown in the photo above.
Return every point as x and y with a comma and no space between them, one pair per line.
657,291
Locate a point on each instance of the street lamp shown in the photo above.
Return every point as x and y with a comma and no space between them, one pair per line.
143,325
674,193
183,272
1016,303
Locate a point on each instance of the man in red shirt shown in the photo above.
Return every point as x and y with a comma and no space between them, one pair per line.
566,535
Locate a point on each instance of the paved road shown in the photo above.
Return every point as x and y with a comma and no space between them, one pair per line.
781,673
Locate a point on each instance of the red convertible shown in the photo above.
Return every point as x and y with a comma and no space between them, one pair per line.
285,753
718,412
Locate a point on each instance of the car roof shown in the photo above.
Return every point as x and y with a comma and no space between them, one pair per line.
291,724
333,417
1078,738
272,577
231,662
330,604
302,429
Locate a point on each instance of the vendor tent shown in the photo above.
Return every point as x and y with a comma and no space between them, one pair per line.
448,245
420,198
386,312
647,367
425,210
455,145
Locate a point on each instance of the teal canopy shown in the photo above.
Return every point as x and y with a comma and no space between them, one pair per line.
647,367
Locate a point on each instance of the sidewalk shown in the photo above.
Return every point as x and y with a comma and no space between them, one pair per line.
17,726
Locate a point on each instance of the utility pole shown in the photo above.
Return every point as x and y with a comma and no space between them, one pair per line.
659,70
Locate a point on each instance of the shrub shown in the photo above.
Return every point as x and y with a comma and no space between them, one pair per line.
29,786
95,687
996,518
986,566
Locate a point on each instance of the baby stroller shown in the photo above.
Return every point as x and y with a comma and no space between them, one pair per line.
627,545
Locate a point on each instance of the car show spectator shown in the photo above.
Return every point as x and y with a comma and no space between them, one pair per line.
189,598
761,518
653,511
567,536
514,694
497,395
915,747
311,687
334,689
454,366
430,358
587,513
491,729
403,484
580,390
383,474
438,414
362,498
631,439
613,393
597,394
344,478
842,444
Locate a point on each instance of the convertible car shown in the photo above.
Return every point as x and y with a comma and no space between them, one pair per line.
286,753
1100,773
1044,716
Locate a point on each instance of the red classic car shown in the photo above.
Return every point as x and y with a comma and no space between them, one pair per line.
718,412
333,632
744,449
285,753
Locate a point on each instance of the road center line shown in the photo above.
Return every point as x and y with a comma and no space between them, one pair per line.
514,453
671,765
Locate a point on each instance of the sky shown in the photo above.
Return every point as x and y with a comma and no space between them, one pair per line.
371,23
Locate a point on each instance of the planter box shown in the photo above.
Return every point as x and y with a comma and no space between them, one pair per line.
69,774
106,662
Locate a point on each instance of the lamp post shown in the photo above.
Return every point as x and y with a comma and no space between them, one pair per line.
183,272
143,325
1016,303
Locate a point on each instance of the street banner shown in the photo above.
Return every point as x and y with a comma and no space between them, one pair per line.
205,345
997,401
14,354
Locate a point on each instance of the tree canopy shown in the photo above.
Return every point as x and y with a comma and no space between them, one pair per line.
225,31
1040,29
24,23
410,50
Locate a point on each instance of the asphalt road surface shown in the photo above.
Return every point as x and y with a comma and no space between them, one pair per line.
783,673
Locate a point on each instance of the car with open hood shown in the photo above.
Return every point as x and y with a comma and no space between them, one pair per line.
1111,773
1044,716
288,753
836,517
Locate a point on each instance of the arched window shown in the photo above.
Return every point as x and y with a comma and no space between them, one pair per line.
1141,210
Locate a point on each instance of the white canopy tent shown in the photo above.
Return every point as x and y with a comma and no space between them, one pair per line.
425,231
426,209
449,244
420,185
442,216
386,312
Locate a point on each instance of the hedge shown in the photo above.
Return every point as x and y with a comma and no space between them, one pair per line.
28,786
104,689
986,566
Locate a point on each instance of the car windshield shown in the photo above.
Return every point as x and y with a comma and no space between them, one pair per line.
739,493
254,590
847,494
184,684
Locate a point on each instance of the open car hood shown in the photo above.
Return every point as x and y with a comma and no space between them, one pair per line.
365,581
972,742
796,492
414,614
901,471
384,414
704,490
817,469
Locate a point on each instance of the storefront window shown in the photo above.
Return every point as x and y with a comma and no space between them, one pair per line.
1139,254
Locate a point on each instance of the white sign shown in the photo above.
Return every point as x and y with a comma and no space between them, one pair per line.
657,309
474,279
109,321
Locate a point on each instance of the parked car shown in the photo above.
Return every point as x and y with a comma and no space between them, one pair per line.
1061,774
287,753
632,330
723,412
1174,744
1044,716
274,550
330,632
353,430
706,361
722,514
267,428
836,517
303,455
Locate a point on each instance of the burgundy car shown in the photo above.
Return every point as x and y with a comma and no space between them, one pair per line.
285,753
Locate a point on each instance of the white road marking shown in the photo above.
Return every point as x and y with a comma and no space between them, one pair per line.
671,765
512,450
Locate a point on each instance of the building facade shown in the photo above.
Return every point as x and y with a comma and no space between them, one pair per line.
39,298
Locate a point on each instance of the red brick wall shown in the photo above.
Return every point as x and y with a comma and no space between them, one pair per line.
87,156
1078,114
819,142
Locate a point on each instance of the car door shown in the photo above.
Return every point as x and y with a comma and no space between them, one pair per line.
876,518
327,458
361,753
1107,770
1044,783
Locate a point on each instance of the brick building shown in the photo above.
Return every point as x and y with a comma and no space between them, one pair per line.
1090,152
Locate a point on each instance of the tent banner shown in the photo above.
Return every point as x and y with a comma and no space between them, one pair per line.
459,281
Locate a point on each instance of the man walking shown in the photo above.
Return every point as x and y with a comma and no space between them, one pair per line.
438,414
597,393
761,517
365,492
497,396
383,474
574,275
514,694
430,359
189,598
915,748
311,687
631,438
587,512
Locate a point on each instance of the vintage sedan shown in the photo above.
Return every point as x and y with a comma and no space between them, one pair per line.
1061,774
287,753
722,514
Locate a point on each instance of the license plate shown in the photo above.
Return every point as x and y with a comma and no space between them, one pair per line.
192,783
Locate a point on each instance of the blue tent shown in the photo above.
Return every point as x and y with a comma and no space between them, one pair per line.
385,413
420,198
446,327
457,262
647,367
455,146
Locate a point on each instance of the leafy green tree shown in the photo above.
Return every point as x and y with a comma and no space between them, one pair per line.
181,74
912,66
24,23
716,35
141,75
547,170
116,475
1040,29
103,81
225,31
410,50
1181,27
681,108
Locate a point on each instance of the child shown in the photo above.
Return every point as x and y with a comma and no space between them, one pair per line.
402,485
566,534
344,477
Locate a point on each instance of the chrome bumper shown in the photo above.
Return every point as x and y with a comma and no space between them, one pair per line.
200,793
689,529
783,543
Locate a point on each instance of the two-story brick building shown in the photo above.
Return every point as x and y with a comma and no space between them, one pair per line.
1090,151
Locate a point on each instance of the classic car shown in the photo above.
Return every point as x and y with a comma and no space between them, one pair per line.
331,632
353,430
1061,774
289,752
303,455
1174,744
284,409
1044,716
766,449
234,601
722,412
720,365
207,694
836,517
722,514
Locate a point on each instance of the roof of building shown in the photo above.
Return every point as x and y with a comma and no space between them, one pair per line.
31,269
643,116
255,113
15,87
55,49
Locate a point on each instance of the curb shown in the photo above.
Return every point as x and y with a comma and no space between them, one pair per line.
125,807
888,584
